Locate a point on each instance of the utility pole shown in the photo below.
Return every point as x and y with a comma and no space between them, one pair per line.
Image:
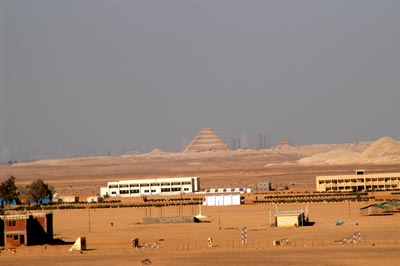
219,216
89,219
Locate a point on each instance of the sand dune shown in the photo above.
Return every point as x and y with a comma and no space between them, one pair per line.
384,150
384,147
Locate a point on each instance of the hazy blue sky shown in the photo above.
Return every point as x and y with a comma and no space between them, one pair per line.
82,75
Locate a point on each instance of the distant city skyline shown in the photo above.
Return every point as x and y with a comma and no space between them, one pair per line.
83,77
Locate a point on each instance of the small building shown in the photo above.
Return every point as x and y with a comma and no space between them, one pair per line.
4,202
26,229
94,199
222,198
267,186
66,199
290,218
374,209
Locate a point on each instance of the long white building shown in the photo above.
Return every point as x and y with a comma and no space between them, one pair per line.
159,186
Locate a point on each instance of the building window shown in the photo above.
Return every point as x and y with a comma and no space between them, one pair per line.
12,223
16,237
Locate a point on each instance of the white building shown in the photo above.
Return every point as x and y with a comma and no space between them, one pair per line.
224,196
222,199
160,186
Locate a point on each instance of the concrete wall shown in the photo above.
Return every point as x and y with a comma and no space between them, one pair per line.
163,220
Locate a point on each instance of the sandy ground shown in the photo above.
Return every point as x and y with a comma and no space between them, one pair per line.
109,233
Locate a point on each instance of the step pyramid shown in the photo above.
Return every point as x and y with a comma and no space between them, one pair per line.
207,141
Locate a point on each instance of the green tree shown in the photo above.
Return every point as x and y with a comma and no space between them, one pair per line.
38,190
8,190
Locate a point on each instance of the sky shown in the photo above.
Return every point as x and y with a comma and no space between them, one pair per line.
82,75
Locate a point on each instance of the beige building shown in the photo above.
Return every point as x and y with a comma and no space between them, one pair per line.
360,181
289,218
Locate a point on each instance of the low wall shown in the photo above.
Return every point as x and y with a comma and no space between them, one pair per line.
165,220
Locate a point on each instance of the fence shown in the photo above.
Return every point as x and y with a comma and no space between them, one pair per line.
192,245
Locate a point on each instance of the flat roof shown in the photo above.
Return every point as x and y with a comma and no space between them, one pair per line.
394,203
380,206
22,216
361,176
289,213
167,179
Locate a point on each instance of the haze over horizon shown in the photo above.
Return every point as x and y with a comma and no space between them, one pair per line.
82,75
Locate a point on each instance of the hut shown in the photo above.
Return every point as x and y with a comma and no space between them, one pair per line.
290,218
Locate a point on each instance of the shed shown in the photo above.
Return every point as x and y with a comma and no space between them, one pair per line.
222,198
267,186
94,199
290,218
393,205
374,209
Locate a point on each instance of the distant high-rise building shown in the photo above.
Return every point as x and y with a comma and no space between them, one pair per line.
245,141
234,144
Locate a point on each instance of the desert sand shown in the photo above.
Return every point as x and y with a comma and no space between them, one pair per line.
109,231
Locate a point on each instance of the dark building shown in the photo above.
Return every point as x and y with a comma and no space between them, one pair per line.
26,229
264,186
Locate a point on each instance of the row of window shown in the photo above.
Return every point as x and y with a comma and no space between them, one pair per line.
137,191
12,223
360,180
15,237
367,187
150,184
